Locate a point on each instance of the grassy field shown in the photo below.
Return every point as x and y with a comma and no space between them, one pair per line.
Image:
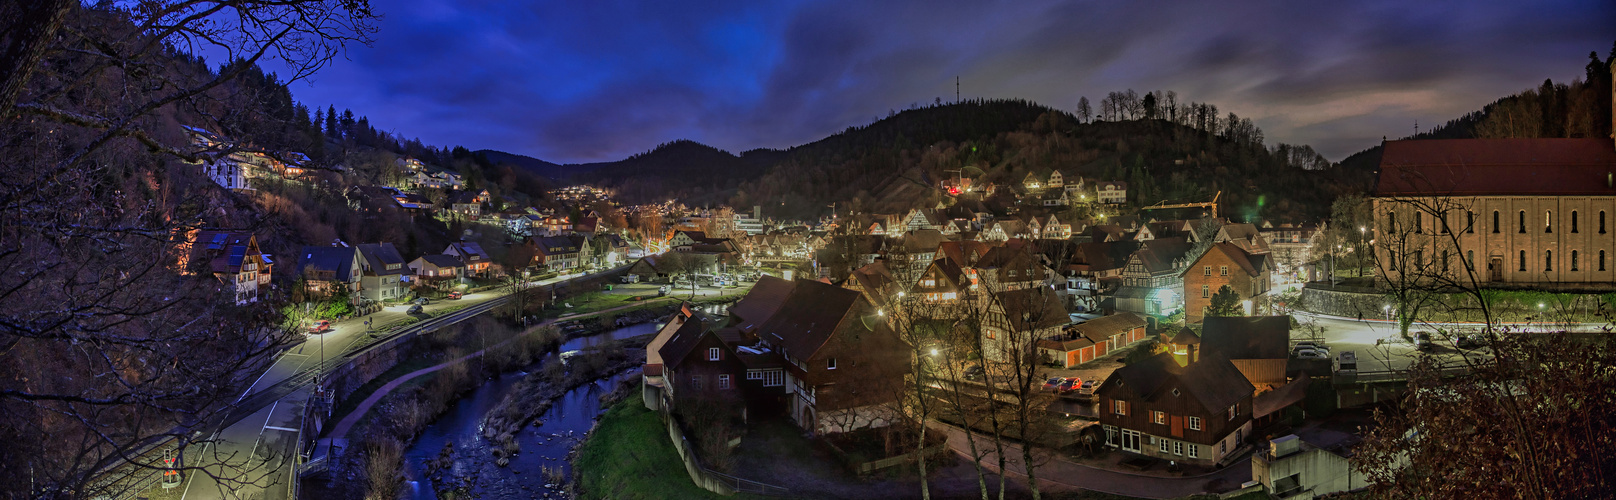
629,457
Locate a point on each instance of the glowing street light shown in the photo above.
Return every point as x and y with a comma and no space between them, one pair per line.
934,351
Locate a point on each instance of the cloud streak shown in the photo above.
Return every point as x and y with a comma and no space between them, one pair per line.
593,81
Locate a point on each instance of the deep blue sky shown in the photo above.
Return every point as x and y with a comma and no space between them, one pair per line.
600,80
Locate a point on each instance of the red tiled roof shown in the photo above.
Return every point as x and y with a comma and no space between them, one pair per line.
1473,167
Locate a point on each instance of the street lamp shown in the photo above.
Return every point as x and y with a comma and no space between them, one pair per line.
1361,231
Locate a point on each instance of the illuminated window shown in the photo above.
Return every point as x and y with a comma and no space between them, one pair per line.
1159,417
949,296
1548,221
1121,407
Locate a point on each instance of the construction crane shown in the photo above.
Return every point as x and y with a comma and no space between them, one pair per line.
1213,205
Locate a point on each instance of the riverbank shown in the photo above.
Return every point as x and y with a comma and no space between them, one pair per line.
628,457
537,392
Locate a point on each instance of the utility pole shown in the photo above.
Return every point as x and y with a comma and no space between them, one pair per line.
956,89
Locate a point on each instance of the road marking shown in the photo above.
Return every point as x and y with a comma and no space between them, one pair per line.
260,440
274,428
295,354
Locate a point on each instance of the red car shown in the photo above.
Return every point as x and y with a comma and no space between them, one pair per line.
454,295
320,326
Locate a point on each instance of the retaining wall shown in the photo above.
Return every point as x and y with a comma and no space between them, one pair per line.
1344,301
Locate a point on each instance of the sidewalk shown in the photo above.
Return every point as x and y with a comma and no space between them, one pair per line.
1062,473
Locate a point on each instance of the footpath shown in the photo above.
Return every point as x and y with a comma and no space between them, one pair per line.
1060,473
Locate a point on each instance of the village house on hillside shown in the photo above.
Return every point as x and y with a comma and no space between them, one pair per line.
384,274
1226,264
1198,413
231,256
330,270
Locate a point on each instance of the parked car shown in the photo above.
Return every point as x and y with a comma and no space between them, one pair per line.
974,372
454,295
1468,341
415,309
1069,385
1310,354
422,301
320,326
1422,341
1054,383
1087,388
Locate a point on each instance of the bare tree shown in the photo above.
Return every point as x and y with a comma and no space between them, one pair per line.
1540,401
141,358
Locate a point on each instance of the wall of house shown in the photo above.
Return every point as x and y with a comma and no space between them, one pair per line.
1318,472
1496,255
1216,428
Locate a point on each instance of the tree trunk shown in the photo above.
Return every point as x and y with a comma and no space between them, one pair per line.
26,37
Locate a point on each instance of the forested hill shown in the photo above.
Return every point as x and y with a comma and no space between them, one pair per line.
895,163
1581,108
528,163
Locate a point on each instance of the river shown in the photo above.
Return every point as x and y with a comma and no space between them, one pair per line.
545,446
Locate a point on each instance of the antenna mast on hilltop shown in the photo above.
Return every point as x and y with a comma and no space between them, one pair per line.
956,89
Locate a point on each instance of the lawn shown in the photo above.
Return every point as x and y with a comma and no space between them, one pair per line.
629,457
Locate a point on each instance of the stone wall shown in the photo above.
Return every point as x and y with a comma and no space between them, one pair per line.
1344,301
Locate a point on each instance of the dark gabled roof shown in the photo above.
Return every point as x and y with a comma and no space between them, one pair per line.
961,252
1246,236
442,261
472,251
684,340
380,255
554,245
761,302
1252,265
923,241
1158,255
1033,308
1185,336
1247,337
338,260
1212,380
808,317
1107,232
1072,344
1475,167
1103,256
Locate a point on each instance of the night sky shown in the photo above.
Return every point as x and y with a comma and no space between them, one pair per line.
601,80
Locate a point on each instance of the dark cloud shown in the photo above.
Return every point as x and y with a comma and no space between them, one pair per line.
590,81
